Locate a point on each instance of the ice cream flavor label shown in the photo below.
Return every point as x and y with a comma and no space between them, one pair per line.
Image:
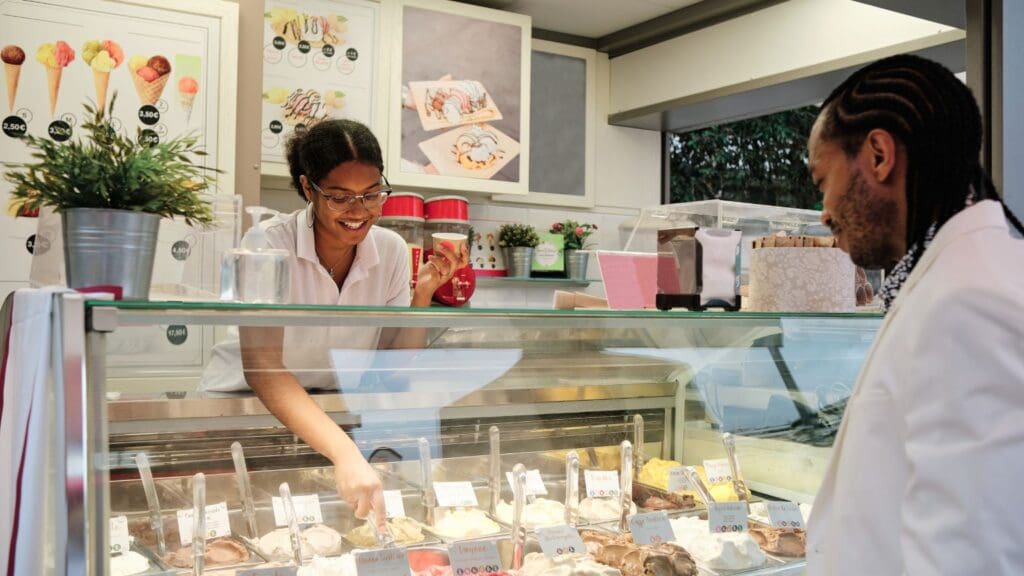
601,483
307,510
15,127
534,483
473,558
217,523
297,59
384,562
785,514
455,495
725,517
272,55
558,541
59,131
677,481
321,62
119,539
394,505
651,528
346,67
718,471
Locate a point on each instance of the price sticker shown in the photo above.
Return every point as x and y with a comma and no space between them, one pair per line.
394,504
474,558
307,510
119,538
534,483
785,514
560,540
718,471
455,494
601,483
217,523
677,481
651,528
725,517
383,562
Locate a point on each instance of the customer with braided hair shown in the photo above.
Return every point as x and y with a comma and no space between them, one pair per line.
928,466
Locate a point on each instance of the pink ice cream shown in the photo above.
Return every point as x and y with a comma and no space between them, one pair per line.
188,85
115,52
148,74
63,53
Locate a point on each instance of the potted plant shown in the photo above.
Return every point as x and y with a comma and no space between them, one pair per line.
575,235
111,192
518,242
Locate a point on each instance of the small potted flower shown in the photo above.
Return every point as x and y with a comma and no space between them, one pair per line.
518,242
575,235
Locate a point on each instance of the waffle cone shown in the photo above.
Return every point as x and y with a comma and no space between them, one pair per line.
53,81
149,92
13,75
101,80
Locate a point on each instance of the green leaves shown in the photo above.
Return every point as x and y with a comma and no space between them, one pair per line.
518,235
107,169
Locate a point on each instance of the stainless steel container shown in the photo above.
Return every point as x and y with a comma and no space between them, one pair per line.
576,264
519,261
110,248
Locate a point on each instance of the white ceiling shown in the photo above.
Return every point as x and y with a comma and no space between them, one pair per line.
588,18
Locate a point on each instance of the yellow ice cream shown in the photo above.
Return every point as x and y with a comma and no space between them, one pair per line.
280,16
90,49
47,55
406,531
136,62
276,95
102,62
607,457
655,473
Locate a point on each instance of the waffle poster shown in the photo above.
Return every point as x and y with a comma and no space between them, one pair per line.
461,89
61,55
318,63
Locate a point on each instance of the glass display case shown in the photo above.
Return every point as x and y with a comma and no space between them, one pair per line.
471,394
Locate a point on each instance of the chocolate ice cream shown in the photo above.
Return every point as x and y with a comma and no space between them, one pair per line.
12,55
219,552
160,64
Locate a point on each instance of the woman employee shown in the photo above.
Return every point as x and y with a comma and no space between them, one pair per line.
338,258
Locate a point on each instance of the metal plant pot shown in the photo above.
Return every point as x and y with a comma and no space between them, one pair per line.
110,248
576,264
519,261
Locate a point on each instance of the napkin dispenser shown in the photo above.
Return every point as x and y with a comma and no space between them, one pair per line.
698,268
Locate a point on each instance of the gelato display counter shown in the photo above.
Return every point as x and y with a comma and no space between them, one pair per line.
500,425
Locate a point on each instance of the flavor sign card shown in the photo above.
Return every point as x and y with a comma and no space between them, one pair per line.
318,63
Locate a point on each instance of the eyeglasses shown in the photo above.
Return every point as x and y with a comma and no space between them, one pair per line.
370,200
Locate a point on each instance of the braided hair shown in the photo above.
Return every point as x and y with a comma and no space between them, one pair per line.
328,144
934,115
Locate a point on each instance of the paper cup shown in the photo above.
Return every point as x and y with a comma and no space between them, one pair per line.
456,240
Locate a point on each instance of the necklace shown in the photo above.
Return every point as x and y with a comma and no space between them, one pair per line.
330,268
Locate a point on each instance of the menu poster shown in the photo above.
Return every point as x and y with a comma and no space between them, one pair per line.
318,63
163,66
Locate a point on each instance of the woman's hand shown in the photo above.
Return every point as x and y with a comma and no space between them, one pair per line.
439,270
360,486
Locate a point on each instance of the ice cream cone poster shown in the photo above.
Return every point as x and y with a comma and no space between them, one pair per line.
55,58
294,26
102,58
187,71
149,75
13,57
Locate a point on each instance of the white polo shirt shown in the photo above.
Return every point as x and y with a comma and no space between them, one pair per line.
379,276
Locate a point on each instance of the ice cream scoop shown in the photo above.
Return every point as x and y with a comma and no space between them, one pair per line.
316,540
458,524
537,564
146,73
602,509
136,62
102,62
188,85
129,563
63,53
160,64
729,551
540,512
338,566
12,55
90,49
405,531
114,50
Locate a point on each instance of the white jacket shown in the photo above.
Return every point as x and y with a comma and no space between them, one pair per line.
927,471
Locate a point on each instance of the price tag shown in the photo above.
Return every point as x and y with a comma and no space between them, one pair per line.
455,494
534,483
651,528
217,523
272,571
556,541
677,481
727,517
718,471
119,538
307,510
383,562
785,514
601,483
473,558
394,504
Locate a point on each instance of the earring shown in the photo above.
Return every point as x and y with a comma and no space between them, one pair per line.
310,215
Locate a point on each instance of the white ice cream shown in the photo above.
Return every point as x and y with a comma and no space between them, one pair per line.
316,540
734,551
128,563
537,564
602,509
337,566
759,513
540,512
458,523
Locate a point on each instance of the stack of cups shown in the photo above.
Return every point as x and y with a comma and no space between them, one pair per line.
403,213
447,220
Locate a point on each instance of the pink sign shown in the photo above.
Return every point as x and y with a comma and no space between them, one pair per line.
630,279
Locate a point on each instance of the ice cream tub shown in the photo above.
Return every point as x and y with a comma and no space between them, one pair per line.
227,542
447,208
403,205
127,565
